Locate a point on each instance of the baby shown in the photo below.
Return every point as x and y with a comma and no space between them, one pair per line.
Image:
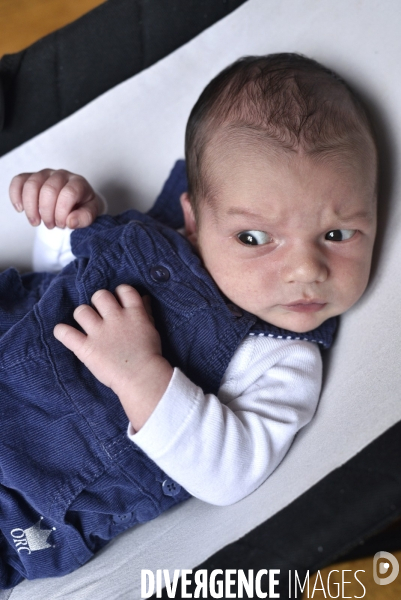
221,368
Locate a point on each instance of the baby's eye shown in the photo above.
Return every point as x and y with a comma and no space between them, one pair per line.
339,235
253,238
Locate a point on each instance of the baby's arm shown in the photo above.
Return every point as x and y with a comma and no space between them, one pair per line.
56,197
122,349
221,448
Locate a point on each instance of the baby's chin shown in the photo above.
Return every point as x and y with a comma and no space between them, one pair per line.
298,322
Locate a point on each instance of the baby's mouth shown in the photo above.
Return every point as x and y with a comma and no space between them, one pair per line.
303,305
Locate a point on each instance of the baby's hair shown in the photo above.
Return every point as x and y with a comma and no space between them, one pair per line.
290,101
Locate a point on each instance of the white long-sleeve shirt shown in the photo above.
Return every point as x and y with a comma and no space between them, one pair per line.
221,448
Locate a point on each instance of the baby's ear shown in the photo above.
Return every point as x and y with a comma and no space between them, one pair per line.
191,229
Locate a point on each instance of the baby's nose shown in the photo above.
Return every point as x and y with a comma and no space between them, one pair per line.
305,265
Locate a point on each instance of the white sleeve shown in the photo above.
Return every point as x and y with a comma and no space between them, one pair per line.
222,448
52,247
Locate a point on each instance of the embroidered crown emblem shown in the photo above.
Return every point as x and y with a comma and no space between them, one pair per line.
33,538
37,537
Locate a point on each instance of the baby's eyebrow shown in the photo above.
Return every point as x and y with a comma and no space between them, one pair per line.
259,219
361,215
243,212
366,215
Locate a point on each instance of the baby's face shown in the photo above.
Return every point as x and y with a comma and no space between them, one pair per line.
287,238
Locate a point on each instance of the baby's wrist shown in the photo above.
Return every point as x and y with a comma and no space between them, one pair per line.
142,391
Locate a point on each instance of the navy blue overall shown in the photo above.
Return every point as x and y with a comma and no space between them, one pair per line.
70,478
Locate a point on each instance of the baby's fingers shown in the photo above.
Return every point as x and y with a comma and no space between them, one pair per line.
106,304
87,318
77,204
51,195
15,191
71,338
128,296
85,215
25,192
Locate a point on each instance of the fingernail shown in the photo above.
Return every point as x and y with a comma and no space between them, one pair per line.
80,309
73,223
33,222
18,207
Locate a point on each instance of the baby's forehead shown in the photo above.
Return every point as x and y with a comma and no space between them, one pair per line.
237,146
246,175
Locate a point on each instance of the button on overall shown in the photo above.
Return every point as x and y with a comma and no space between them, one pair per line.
159,274
117,519
170,487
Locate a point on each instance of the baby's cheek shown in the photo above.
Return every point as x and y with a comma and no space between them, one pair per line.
353,291
350,278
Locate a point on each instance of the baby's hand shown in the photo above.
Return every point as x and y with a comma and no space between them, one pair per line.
121,348
58,198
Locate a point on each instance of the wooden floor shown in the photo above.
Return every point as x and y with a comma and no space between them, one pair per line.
21,23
